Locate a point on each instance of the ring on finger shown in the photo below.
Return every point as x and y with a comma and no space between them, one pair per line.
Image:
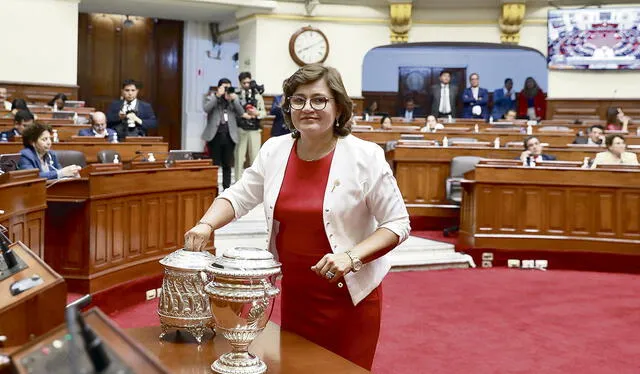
329,274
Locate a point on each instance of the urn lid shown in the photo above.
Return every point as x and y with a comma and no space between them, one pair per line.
245,262
188,260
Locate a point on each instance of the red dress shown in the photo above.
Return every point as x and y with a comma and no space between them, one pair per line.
311,306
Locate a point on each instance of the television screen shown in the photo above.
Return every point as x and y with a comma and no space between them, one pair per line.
598,38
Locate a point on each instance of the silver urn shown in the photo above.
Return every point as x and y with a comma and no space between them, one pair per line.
183,303
241,294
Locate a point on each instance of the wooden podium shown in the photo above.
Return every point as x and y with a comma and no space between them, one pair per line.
35,311
23,199
114,226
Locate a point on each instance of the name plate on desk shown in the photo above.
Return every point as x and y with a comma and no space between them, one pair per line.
141,165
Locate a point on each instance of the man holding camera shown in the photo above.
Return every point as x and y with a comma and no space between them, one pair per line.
130,116
250,130
221,133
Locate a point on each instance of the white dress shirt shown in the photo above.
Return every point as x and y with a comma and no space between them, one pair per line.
127,107
475,91
445,105
361,196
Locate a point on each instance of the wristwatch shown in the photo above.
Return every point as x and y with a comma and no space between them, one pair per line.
356,263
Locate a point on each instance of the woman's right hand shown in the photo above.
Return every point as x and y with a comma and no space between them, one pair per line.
196,239
70,171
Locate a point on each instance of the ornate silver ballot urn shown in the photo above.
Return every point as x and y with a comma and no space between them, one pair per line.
241,295
183,303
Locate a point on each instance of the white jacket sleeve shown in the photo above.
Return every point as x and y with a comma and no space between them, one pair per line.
384,199
247,193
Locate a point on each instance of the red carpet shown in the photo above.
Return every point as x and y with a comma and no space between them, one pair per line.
497,321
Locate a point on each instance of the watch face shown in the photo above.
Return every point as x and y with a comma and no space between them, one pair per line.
310,46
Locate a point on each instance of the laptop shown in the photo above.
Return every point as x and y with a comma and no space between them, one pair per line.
9,162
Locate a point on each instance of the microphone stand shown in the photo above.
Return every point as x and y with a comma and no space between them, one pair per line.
7,254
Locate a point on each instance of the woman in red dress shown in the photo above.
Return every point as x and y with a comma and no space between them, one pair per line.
333,211
532,102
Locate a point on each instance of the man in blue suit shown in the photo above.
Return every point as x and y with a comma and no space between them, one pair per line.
504,100
98,127
22,119
130,116
475,99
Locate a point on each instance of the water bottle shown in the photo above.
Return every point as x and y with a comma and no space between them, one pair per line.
532,163
3,138
449,119
638,131
150,157
445,142
490,119
55,136
115,159
496,143
529,129
114,138
476,129
585,163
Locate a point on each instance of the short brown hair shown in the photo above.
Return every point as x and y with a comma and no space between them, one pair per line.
31,133
309,74
608,140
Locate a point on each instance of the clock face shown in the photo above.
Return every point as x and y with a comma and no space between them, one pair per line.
308,46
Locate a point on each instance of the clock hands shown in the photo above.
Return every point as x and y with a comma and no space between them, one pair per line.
309,46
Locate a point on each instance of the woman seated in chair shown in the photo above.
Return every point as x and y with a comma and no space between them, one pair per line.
615,154
37,154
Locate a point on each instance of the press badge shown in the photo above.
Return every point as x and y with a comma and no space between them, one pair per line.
225,116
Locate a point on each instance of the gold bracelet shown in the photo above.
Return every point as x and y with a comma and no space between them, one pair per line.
208,224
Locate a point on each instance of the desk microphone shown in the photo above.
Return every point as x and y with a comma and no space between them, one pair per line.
92,343
7,253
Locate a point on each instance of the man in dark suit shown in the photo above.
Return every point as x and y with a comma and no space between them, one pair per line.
475,99
533,152
595,136
98,127
22,119
410,112
130,116
443,97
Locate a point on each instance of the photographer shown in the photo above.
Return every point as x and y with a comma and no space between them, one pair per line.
221,133
250,130
130,116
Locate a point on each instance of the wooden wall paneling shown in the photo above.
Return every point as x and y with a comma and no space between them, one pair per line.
630,214
117,239
135,229
170,224
556,211
580,212
532,213
168,61
487,210
507,210
585,107
65,248
38,93
154,218
137,60
606,213
101,240
35,232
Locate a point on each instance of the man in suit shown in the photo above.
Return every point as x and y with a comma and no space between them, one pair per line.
410,112
504,100
475,99
22,119
98,128
595,136
130,116
221,133
533,152
443,97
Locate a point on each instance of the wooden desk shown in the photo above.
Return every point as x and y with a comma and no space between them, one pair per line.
126,150
65,131
421,172
35,311
551,209
23,199
282,351
115,226
554,140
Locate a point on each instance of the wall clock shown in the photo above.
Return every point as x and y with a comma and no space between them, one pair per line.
308,45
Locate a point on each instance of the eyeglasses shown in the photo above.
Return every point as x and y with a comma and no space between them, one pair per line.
317,102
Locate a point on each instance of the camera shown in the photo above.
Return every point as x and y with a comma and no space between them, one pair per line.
255,87
230,90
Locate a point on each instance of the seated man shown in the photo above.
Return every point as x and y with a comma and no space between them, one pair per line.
130,116
4,104
98,128
533,151
595,136
37,154
22,119
409,112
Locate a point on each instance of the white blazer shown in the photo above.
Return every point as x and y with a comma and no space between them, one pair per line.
361,196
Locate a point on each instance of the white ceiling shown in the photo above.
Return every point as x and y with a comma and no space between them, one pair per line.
221,10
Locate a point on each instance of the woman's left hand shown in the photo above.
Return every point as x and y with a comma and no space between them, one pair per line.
337,264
